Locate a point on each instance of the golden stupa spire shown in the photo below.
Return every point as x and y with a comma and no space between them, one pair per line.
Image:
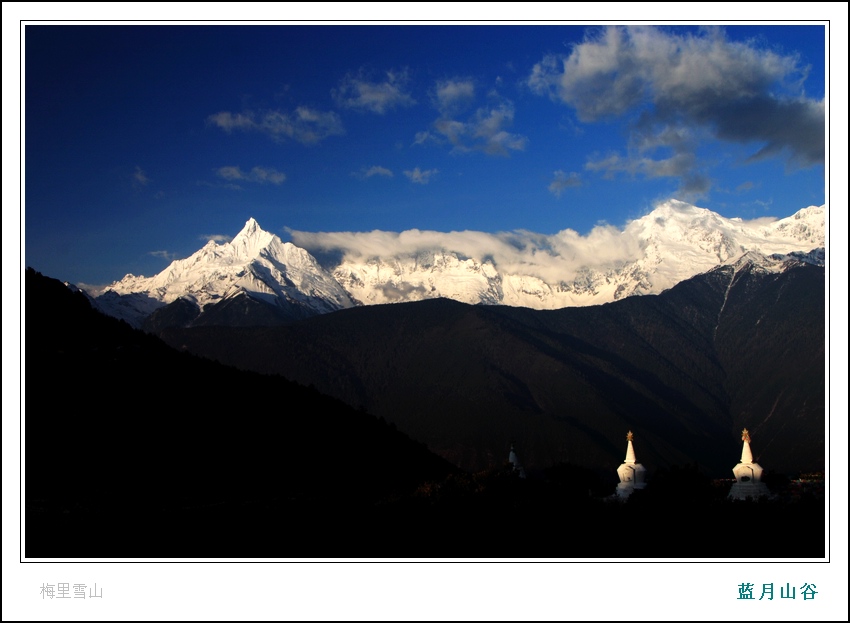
630,436
745,435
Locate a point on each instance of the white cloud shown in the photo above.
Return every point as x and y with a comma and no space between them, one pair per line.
164,255
228,122
304,125
227,185
420,177
485,131
359,93
140,177
686,87
230,173
423,137
216,237
365,173
562,181
264,174
452,96
258,175
550,257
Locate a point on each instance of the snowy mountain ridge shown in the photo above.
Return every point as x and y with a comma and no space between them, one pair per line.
255,263
672,243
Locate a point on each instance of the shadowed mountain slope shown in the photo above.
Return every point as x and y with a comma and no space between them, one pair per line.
686,370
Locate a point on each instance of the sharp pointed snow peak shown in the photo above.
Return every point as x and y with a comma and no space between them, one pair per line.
251,227
251,240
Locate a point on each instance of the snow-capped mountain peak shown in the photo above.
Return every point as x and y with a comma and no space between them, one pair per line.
249,242
255,263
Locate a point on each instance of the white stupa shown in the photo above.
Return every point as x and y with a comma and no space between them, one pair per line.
514,461
748,482
632,474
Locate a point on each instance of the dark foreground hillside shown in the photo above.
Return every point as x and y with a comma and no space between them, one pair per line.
488,515
126,434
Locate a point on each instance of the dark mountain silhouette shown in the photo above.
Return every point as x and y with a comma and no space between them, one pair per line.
131,446
686,370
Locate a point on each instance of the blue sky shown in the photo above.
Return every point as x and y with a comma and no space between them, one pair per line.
142,142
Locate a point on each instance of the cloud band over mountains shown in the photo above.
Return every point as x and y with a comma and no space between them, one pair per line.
550,257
